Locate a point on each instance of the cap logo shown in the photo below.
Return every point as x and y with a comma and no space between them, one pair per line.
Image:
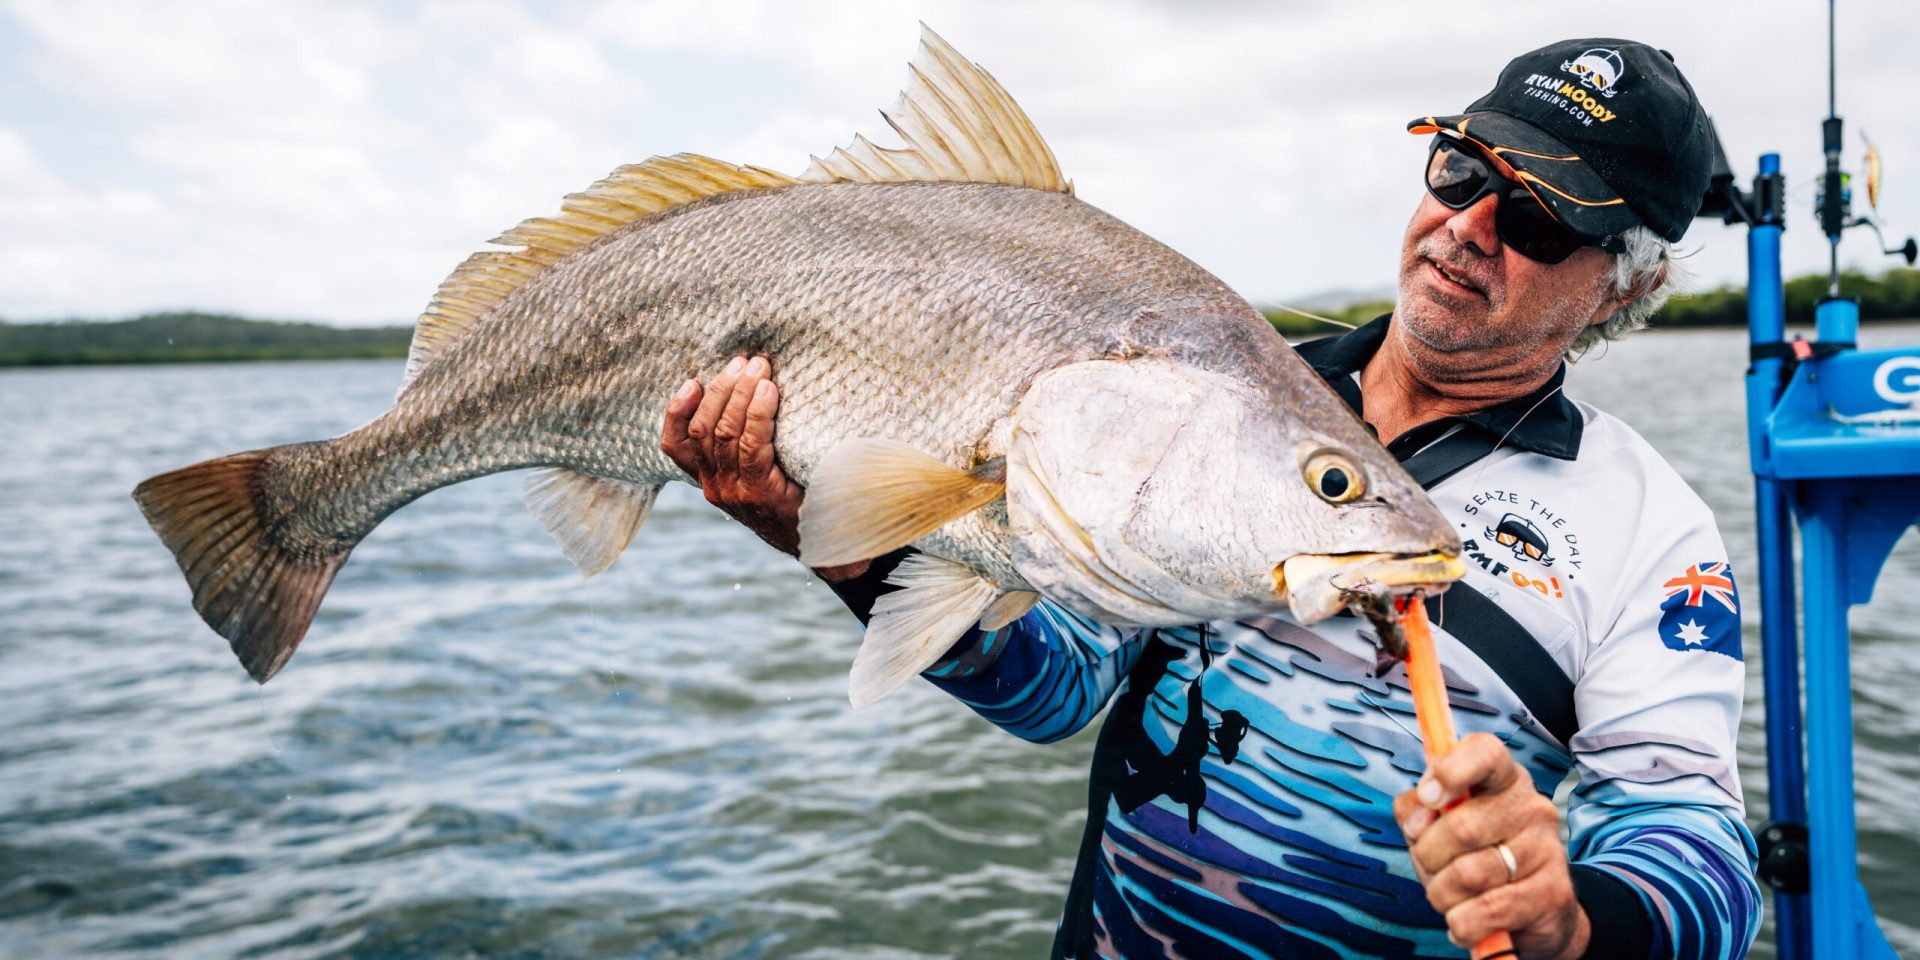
1598,69
1570,97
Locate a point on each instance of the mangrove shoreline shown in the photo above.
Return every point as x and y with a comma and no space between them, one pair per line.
191,337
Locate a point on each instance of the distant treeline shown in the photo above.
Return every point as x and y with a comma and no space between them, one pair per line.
202,337
1893,295
1353,315
191,338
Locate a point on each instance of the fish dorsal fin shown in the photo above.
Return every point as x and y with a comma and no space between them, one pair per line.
630,193
959,125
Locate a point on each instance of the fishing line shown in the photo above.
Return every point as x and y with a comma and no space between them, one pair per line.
1440,615
1380,705
1314,316
1550,394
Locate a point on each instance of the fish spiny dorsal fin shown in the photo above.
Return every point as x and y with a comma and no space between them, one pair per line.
959,126
630,193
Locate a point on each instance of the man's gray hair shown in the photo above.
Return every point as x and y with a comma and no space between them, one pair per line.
1647,263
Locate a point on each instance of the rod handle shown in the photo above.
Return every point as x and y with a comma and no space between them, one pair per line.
1435,716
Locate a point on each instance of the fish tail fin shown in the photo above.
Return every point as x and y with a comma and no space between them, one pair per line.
249,583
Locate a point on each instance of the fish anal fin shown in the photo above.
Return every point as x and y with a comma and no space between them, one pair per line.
871,495
1010,607
939,601
959,125
630,193
593,518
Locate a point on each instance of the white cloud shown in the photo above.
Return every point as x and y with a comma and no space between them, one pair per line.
335,160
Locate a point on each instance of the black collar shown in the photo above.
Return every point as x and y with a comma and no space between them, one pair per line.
1543,421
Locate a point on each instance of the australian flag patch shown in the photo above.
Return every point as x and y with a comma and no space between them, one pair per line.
1702,610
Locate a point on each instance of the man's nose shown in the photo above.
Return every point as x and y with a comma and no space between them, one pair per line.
1474,226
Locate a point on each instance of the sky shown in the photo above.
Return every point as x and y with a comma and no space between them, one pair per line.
333,161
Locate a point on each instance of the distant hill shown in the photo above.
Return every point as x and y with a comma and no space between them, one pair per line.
1334,299
191,338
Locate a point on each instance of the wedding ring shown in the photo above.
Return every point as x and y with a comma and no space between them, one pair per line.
1506,857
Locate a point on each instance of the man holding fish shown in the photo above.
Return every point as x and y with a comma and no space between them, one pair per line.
1108,475
1258,788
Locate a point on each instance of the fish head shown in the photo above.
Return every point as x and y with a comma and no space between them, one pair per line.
1152,492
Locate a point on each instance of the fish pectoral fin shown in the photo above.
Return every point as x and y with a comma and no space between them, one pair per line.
939,602
593,518
870,495
1010,607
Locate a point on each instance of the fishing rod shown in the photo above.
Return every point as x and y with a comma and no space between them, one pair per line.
1835,198
1833,204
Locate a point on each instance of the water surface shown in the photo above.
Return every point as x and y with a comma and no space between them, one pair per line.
475,753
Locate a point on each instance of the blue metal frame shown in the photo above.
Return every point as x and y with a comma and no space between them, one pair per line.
1854,485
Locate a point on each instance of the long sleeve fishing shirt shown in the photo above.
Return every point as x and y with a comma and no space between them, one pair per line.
1242,786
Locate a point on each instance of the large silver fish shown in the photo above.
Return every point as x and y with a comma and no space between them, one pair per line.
1040,398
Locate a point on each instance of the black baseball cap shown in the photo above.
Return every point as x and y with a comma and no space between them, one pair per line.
1607,132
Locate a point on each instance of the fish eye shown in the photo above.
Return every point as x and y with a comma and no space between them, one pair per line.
1334,477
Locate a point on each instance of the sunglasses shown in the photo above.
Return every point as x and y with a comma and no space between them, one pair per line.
1458,176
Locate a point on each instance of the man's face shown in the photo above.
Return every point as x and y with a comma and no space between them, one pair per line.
1462,290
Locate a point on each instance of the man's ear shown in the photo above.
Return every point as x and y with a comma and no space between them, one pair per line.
1644,287
1611,308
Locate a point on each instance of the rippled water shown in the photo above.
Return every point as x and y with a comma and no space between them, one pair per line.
477,754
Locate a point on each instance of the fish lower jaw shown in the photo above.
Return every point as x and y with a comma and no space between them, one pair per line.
1319,586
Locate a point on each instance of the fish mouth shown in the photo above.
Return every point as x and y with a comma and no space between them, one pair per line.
1318,586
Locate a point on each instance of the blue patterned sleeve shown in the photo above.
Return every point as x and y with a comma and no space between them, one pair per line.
1686,868
1658,837
1041,677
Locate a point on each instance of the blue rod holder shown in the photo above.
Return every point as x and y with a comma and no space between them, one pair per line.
1773,528
1831,840
1820,454
1837,320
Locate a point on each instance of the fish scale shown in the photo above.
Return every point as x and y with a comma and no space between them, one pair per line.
604,337
919,323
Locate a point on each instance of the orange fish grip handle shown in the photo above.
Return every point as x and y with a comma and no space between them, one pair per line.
1435,716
